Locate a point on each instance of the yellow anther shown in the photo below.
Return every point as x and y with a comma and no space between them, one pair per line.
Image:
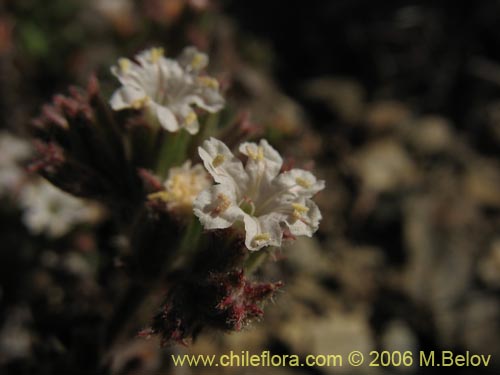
190,118
161,195
156,54
259,155
183,186
218,160
303,182
124,64
263,237
298,211
198,61
208,82
300,208
139,103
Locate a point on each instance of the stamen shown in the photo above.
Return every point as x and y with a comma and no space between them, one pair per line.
139,103
124,65
300,208
258,156
218,160
223,204
208,82
190,118
156,54
161,195
303,182
263,237
298,211
197,61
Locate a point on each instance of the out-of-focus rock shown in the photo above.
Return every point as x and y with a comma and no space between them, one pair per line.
120,13
343,96
333,201
76,264
489,266
359,271
253,339
442,234
308,292
430,134
304,302
386,115
337,333
480,326
306,256
15,339
164,11
482,183
138,356
268,106
340,334
493,121
399,337
285,116
384,166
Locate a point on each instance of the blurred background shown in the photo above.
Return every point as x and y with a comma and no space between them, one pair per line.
396,104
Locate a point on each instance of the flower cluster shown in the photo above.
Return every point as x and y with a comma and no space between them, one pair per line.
182,186
53,212
167,88
45,209
197,225
257,195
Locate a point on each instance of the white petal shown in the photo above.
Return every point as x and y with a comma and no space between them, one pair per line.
224,167
129,73
171,70
262,158
308,223
193,60
262,231
50,210
188,119
210,100
165,116
300,182
150,56
216,207
125,97
167,83
192,127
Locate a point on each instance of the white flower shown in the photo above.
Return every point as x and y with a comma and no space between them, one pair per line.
168,88
182,186
53,212
256,195
14,151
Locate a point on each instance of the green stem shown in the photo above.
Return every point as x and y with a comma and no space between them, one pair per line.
255,260
208,129
210,125
189,243
172,151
